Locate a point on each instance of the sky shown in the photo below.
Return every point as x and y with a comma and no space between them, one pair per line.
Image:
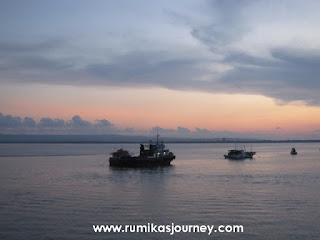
197,68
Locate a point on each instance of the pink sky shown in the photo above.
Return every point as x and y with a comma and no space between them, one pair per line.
143,109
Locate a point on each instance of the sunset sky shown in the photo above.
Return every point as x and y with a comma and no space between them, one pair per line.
190,68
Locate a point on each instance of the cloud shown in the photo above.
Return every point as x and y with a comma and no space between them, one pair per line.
78,122
284,66
183,132
104,123
54,126
292,75
146,68
51,123
251,47
10,121
29,122
36,62
16,125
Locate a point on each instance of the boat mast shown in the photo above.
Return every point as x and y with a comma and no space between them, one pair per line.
158,135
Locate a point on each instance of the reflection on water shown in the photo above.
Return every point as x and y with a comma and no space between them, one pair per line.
61,194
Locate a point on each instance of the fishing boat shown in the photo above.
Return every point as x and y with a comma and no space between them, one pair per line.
239,154
250,154
152,155
293,151
236,154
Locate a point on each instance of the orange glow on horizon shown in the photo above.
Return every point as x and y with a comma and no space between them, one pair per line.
147,108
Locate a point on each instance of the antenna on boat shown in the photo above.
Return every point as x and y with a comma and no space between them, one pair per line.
158,135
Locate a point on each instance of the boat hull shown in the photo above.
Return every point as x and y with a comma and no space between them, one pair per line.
239,154
235,157
129,161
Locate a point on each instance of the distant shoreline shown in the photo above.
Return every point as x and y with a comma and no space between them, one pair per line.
103,139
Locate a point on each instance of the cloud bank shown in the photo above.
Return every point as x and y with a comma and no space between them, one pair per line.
17,125
78,126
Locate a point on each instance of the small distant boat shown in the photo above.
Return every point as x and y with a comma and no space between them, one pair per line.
239,154
293,151
155,155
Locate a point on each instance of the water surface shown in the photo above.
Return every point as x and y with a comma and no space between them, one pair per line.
58,191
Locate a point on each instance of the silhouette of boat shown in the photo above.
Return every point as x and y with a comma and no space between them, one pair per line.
239,154
154,155
293,151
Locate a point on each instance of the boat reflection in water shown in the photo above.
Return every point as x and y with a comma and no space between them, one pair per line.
153,155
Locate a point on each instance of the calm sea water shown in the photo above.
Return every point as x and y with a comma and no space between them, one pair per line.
58,191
